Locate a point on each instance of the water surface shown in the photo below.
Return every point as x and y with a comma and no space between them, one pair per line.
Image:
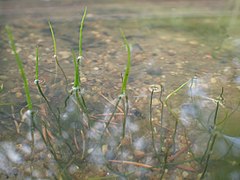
171,42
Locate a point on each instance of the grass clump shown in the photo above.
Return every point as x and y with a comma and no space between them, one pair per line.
73,149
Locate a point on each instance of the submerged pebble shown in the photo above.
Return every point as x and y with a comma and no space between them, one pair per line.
171,52
154,71
194,43
185,174
64,54
18,94
155,102
181,39
104,149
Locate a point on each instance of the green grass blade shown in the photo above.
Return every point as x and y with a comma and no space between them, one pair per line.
176,91
36,67
126,109
76,72
53,39
127,71
76,88
40,89
80,32
20,67
173,113
54,48
55,55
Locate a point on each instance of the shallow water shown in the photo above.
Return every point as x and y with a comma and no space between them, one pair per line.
171,42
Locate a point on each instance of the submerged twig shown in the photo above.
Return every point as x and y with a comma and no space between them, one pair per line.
116,114
104,97
178,153
134,163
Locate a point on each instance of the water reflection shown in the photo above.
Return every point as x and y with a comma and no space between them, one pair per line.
228,146
198,116
9,157
237,80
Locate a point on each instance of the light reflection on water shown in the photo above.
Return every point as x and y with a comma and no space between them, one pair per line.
197,116
237,80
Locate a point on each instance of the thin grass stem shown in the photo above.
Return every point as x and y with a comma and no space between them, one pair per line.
213,136
165,162
55,54
80,53
83,106
151,126
126,109
171,111
161,117
40,89
112,115
208,156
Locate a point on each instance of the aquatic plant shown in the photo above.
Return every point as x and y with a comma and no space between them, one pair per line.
55,54
76,89
76,96
212,139
80,50
124,83
123,93
29,113
58,149
20,67
172,112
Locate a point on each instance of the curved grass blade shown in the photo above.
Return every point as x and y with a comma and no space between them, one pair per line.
55,54
171,111
124,83
26,89
20,67
127,71
42,94
80,32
